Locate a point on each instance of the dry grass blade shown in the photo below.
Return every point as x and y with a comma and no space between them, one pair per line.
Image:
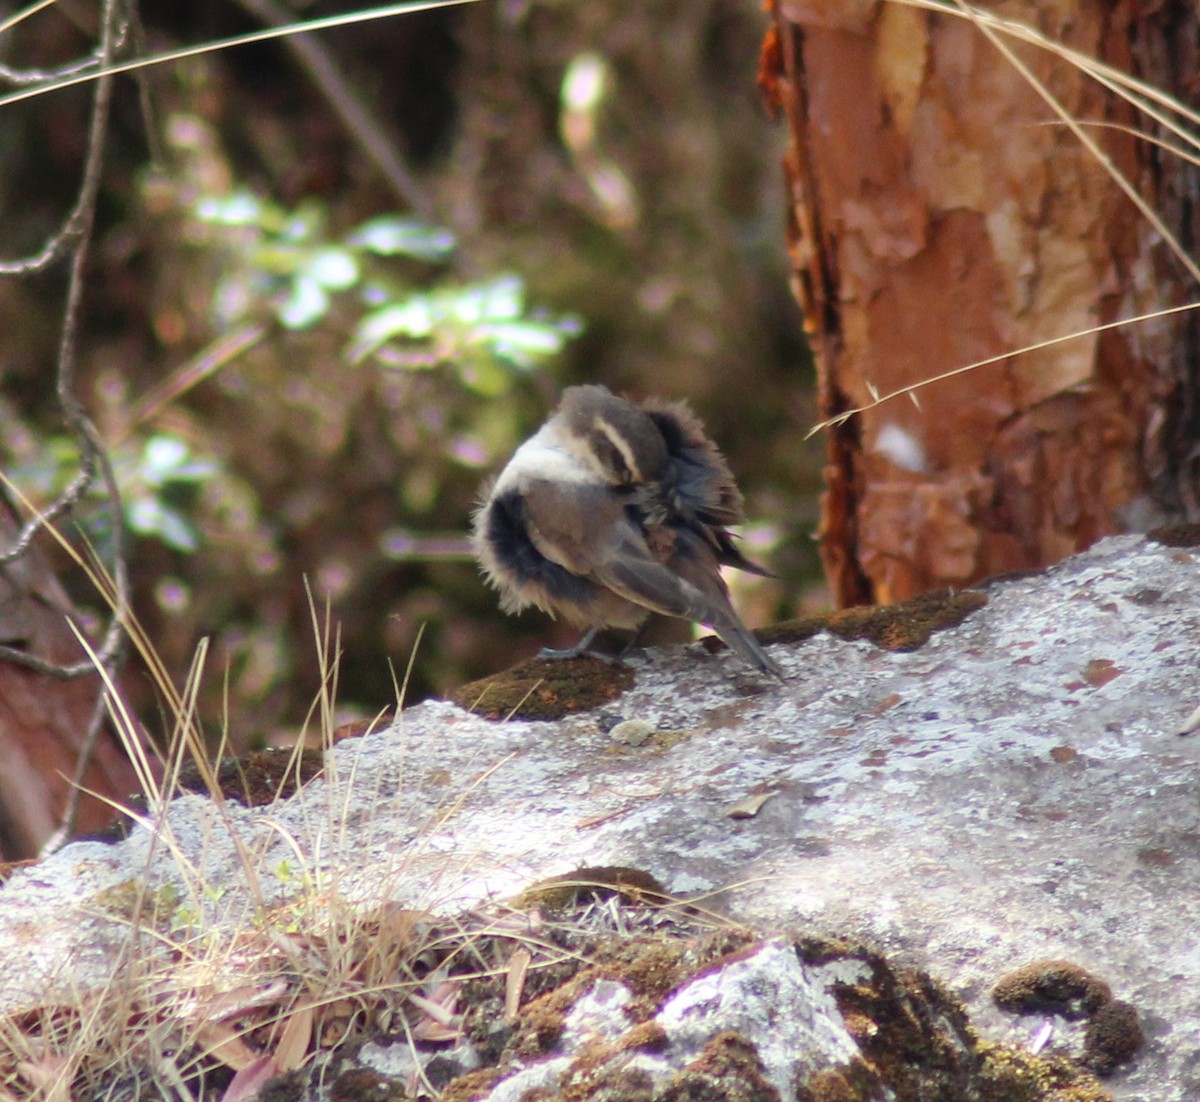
845,415
1145,97
19,17
384,11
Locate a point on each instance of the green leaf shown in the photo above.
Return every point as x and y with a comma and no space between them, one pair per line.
149,517
333,268
161,457
240,209
305,306
392,235
167,459
500,299
523,341
415,318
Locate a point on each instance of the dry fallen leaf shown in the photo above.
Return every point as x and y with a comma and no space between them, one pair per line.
750,806
514,983
294,1041
224,1042
440,1010
246,1084
1192,723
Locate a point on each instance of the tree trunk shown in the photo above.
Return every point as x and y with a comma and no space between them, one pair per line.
943,214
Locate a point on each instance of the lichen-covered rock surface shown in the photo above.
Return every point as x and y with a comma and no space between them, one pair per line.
1010,791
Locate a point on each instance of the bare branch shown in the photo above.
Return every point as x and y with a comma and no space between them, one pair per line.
137,34
93,455
74,225
75,791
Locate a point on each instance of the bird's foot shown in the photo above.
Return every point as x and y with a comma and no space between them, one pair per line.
551,654
582,649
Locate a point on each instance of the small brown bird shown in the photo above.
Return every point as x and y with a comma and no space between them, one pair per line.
613,511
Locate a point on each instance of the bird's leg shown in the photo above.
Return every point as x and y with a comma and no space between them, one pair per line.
582,649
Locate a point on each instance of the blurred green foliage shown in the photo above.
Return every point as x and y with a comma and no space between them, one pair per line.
288,262
158,475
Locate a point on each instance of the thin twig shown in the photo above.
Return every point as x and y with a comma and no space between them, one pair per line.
79,219
93,455
75,790
137,32
205,363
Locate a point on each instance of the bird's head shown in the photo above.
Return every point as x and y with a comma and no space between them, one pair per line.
619,441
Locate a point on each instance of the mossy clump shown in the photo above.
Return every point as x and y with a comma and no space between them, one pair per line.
646,1037
913,1033
916,1041
649,965
728,1069
260,777
1051,986
904,626
1113,1037
361,1085
539,689
1176,535
255,779
472,1085
1010,1074
852,1082
559,893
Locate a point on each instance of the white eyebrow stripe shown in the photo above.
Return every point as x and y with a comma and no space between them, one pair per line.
622,445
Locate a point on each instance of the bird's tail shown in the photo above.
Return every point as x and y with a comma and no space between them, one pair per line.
737,638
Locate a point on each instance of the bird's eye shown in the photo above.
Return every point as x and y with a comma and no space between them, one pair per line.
611,458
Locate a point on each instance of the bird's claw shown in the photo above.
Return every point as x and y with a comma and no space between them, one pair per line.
552,654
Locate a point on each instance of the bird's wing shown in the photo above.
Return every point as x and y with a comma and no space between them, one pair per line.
689,586
588,533
572,529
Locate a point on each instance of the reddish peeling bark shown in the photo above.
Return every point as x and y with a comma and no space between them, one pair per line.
942,216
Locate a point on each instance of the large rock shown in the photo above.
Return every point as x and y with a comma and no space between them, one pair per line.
1012,790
